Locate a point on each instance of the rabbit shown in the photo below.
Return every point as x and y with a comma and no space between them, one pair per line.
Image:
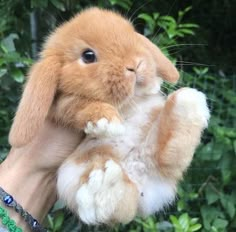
99,76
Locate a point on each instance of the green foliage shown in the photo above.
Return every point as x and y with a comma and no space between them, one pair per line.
172,28
209,187
165,30
207,197
185,223
12,68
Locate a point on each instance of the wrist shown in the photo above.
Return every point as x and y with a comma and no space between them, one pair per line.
34,190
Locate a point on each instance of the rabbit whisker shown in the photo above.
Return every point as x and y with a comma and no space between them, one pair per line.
138,8
179,45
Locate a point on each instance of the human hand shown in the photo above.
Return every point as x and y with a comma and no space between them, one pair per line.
29,172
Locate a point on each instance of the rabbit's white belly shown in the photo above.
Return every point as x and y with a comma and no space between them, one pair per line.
136,152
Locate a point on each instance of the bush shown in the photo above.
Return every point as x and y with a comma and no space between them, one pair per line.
207,196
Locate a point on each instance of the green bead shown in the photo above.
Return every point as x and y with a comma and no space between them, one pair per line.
5,220
11,226
12,229
18,229
2,212
11,223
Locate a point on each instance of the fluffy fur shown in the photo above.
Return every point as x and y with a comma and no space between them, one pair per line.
137,143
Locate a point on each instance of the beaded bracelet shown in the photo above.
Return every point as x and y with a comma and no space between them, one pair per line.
7,222
8,200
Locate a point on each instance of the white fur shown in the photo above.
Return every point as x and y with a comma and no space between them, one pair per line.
86,204
97,199
111,192
155,193
104,128
155,89
136,160
152,89
68,178
192,104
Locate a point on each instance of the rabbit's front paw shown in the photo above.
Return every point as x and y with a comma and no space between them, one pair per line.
191,105
104,128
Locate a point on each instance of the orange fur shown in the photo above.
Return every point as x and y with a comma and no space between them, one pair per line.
165,68
95,159
73,93
36,101
154,115
59,75
176,141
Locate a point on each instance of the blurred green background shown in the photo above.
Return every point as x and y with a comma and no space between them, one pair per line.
199,37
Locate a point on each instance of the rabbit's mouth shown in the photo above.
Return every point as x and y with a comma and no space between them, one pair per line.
147,86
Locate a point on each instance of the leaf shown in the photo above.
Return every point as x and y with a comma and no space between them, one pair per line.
4,49
58,4
182,13
231,210
125,4
59,219
181,205
8,42
152,223
206,151
148,19
162,24
209,213
3,71
10,57
50,221
156,15
27,61
142,222
168,19
220,223
195,227
58,206
201,71
225,166
228,203
193,221
186,31
211,195
175,222
18,76
171,32
184,221
164,226
213,229
180,34
188,25
187,9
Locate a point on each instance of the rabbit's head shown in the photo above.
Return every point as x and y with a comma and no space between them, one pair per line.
97,55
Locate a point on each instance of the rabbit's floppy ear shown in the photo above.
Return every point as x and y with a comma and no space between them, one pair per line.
165,68
36,100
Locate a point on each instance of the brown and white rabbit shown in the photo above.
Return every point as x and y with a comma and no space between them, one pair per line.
98,75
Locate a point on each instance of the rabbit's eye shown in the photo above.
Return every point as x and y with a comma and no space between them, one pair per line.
88,56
